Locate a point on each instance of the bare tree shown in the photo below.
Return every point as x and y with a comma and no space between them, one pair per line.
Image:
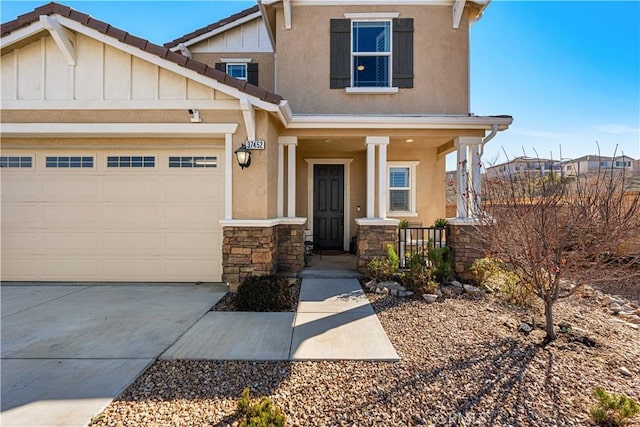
559,233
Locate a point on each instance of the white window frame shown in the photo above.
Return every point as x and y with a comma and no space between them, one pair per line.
246,70
215,166
93,156
412,166
372,17
131,168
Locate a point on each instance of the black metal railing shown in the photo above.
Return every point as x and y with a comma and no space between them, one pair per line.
417,241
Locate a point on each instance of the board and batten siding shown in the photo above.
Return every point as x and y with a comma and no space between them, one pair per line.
38,72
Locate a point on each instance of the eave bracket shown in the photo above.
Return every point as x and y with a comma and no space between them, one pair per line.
64,38
458,8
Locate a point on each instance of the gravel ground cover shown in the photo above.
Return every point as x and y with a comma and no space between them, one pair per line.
463,363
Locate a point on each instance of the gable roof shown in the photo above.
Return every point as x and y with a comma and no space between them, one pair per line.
29,18
212,27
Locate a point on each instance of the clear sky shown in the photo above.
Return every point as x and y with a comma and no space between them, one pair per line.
568,72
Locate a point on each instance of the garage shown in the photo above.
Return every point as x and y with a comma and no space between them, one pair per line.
112,215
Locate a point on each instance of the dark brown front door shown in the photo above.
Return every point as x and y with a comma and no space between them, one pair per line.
328,206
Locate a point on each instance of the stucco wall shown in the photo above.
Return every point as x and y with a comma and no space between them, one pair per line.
265,61
441,63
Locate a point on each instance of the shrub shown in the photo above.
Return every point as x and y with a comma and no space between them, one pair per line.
497,277
381,269
263,293
613,409
262,413
440,222
441,263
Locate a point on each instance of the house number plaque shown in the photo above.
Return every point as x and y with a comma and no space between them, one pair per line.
254,145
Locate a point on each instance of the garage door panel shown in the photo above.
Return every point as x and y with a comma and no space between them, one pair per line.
70,216
120,189
150,224
72,241
130,216
19,242
20,188
64,268
72,188
140,242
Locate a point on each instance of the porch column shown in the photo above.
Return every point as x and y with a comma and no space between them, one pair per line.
371,177
291,142
280,191
228,176
476,178
382,178
469,179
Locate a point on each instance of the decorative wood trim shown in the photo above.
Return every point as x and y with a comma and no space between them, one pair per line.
65,39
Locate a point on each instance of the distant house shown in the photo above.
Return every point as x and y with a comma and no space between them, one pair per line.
591,163
523,164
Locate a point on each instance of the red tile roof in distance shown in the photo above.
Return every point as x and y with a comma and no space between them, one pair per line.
211,27
142,44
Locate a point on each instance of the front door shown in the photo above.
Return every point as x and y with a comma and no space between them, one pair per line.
328,206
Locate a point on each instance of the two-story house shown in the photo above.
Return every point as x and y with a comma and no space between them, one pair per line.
592,163
524,165
206,159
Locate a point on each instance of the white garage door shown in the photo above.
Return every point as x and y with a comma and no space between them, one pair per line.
116,215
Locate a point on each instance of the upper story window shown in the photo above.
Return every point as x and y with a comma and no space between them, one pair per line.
239,71
371,53
21,162
240,68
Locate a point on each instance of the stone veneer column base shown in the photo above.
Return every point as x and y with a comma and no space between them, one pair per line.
467,246
261,247
373,237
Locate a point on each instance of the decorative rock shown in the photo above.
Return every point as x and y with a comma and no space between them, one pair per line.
393,292
430,297
405,293
392,285
379,290
525,327
456,284
448,291
615,308
438,292
606,300
472,290
627,308
385,291
624,371
418,419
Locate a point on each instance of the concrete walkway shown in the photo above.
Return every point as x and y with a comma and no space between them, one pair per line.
334,321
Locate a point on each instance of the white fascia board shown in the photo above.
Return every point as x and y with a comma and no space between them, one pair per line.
219,30
21,34
121,104
397,122
168,65
120,130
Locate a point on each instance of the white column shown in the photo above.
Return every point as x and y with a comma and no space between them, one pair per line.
228,176
476,178
291,142
462,180
382,179
291,179
371,176
280,192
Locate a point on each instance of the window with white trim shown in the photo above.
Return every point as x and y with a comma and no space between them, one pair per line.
16,162
131,161
237,70
371,53
402,188
193,162
73,162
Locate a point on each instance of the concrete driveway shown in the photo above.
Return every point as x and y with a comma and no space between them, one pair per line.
68,350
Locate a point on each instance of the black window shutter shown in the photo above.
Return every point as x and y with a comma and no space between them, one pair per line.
340,61
403,52
221,66
252,73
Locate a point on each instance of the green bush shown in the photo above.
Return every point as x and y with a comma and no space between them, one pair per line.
381,269
263,293
613,409
495,276
440,223
441,262
261,413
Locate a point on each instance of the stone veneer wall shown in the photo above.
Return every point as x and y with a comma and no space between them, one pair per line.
290,248
467,247
248,251
373,241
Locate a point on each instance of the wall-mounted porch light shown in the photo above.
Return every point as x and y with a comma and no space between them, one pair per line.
243,155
